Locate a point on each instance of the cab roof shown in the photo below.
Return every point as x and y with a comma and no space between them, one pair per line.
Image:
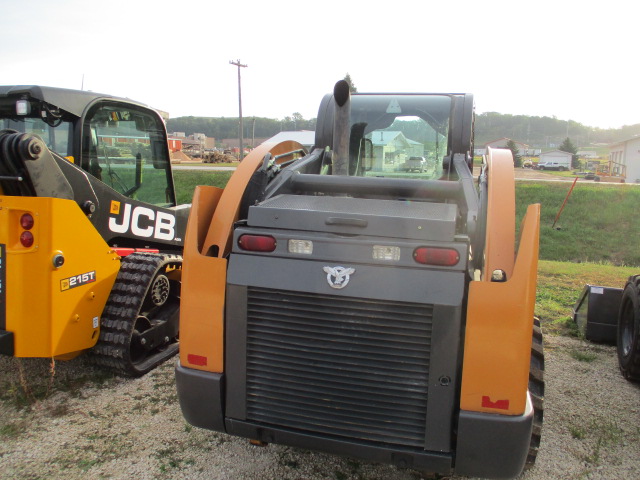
72,101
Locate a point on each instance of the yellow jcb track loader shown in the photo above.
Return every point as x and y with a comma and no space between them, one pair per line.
339,303
90,234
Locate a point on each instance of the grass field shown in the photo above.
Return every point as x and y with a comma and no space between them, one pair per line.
560,284
186,180
598,224
596,243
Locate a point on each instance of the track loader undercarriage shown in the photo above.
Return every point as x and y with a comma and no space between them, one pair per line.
140,320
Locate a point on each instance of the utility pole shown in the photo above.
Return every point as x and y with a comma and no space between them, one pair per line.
239,65
253,133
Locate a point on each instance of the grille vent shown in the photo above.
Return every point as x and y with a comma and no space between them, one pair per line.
338,366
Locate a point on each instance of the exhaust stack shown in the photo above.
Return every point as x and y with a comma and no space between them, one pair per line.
341,132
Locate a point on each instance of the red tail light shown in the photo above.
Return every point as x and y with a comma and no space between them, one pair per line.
27,221
257,243
442,257
26,239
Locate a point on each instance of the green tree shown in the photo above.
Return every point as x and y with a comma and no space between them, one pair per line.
298,120
352,87
569,147
515,151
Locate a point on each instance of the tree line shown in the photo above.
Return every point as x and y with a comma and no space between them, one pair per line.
537,132
545,132
227,127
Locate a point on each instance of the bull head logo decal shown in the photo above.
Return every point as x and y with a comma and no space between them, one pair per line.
338,277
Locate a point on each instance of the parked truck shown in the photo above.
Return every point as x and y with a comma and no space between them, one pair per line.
415,164
555,160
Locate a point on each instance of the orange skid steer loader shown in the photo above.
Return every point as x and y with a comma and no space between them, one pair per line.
337,302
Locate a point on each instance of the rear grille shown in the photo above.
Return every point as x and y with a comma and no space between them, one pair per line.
338,366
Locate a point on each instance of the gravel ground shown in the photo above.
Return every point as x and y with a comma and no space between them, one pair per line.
88,424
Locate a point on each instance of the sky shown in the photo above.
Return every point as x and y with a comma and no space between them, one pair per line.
574,60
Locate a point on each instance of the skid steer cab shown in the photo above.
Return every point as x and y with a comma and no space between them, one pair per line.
90,234
341,302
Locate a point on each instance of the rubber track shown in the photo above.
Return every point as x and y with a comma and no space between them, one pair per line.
122,308
536,389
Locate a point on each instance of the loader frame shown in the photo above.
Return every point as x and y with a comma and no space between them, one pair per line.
479,415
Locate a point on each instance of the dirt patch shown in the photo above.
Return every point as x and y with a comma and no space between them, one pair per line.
179,157
86,424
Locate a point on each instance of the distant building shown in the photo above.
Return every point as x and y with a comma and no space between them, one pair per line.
175,143
390,147
624,159
193,145
306,138
190,146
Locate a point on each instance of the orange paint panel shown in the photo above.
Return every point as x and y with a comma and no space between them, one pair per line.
200,321
204,277
498,334
220,229
202,313
53,309
501,214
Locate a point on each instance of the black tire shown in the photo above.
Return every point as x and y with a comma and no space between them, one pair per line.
628,335
536,390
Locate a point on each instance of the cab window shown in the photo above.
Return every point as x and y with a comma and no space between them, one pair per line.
399,136
125,148
55,131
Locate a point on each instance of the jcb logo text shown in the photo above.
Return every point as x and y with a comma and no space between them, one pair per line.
143,222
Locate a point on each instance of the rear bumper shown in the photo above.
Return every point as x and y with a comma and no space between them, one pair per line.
201,396
491,445
487,445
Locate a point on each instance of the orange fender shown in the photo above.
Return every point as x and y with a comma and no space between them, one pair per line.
204,277
497,348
